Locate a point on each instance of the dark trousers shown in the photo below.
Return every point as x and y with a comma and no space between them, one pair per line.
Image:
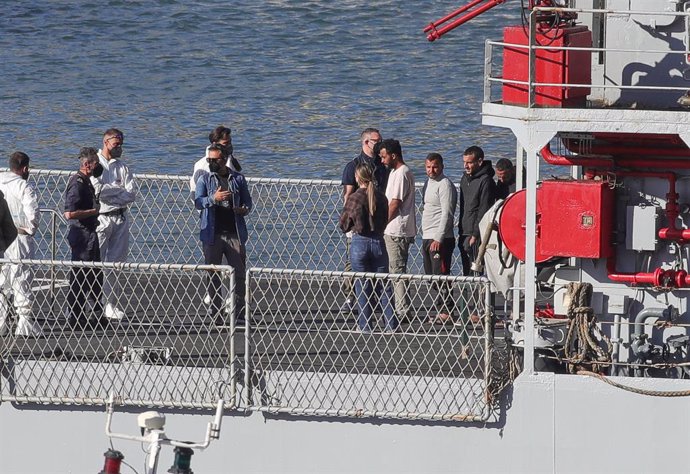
439,263
347,286
226,245
84,283
468,253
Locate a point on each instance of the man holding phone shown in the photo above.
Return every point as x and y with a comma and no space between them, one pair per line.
223,198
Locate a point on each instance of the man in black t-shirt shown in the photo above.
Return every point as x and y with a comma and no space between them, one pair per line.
370,137
81,209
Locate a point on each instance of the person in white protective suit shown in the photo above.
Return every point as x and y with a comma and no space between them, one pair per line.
115,190
15,280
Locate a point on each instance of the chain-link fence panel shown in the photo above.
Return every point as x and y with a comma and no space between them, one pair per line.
164,225
308,357
294,223
160,344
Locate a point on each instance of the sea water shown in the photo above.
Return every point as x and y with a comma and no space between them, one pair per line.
296,81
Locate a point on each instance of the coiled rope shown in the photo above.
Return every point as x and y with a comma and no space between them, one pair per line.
582,348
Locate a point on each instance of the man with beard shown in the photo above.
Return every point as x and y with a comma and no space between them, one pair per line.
223,198
438,220
16,280
477,195
402,220
81,209
115,190
505,178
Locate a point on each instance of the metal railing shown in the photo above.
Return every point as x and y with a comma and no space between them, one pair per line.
660,82
294,223
167,351
297,353
306,357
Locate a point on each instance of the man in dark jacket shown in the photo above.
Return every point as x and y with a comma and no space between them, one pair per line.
81,209
477,195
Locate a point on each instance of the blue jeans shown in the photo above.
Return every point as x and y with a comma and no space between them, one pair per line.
368,254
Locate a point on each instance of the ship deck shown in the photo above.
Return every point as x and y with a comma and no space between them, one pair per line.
312,337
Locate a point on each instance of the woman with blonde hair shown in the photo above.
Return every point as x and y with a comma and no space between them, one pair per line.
366,215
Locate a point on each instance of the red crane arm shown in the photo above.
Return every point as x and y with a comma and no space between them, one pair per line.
435,33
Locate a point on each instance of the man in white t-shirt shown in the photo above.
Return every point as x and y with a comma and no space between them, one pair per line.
402,224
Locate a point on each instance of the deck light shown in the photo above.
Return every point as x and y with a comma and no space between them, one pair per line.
113,459
182,462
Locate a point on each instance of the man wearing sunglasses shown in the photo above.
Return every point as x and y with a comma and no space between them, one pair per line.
223,198
221,135
370,139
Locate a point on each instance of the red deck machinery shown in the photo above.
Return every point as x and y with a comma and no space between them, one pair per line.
567,70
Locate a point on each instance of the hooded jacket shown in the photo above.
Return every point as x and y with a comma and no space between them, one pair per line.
8,231
477,195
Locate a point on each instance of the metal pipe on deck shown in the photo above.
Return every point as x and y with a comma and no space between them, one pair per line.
583,160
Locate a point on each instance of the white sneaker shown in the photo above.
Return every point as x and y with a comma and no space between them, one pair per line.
207,299
111,312
28,328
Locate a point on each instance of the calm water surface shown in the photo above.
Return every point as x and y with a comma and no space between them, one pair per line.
295,80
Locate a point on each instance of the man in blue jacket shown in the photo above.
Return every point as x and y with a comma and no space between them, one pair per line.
223,199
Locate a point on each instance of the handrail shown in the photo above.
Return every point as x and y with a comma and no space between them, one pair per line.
54,213
609,11
532,84
55,216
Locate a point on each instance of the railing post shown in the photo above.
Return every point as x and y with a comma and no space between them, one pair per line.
488,58
247,331
532,60
232,281
488,346
53,252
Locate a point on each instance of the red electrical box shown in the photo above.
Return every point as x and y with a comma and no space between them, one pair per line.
574,219
551,66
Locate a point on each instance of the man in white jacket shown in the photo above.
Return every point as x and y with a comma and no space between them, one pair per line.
115,189
221,135
17,279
